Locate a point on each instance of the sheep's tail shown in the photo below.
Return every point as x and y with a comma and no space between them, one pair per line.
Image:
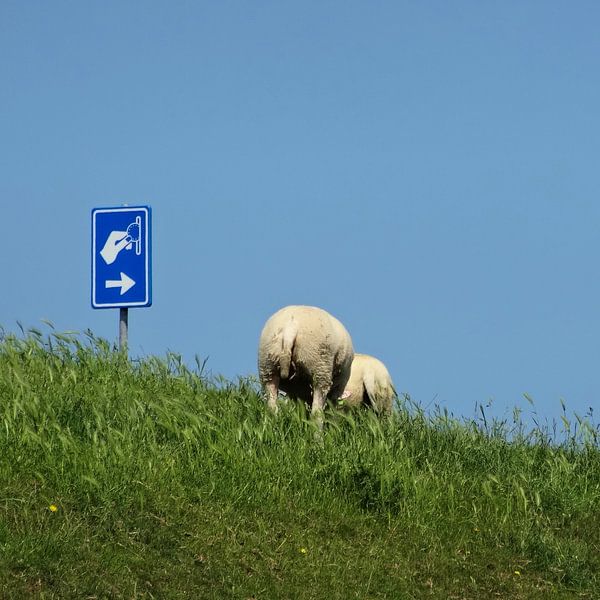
380,396
288,338
370,388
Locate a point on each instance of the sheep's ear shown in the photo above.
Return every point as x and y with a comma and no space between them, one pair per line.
346,394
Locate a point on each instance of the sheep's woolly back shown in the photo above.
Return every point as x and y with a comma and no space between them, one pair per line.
305,348
369,382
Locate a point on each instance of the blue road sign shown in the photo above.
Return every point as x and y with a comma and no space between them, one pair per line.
121,257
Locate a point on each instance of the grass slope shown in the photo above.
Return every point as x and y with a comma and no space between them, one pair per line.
144,480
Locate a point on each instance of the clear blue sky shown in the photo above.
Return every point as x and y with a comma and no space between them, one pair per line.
426,171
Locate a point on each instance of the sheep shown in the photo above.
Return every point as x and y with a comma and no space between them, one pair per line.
370,384
307,353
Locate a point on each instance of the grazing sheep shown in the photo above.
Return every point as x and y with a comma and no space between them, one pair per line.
305,352
370,384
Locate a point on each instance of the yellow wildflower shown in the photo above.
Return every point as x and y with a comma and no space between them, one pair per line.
53,508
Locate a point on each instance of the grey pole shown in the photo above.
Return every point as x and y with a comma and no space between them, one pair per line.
123,329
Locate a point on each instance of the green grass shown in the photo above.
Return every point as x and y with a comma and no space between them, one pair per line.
169,485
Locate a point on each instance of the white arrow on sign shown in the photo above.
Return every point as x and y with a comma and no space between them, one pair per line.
125,283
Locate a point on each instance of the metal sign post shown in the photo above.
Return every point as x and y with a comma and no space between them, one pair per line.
123,328
121,261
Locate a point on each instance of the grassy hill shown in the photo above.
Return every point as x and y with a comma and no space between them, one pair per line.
142,479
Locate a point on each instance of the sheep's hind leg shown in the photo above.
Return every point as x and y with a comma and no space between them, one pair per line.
272,390
318,403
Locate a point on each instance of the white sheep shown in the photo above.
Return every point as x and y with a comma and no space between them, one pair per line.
370,384
307,353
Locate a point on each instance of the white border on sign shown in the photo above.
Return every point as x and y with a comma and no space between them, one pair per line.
144,302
